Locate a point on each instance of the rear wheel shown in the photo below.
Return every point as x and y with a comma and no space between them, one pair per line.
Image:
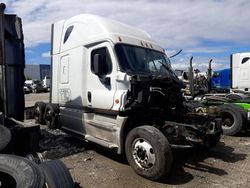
39,108
51,115
233,118
148,152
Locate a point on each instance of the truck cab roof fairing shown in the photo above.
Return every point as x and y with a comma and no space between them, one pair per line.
90,29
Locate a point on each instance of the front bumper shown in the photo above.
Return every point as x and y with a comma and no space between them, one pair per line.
191,133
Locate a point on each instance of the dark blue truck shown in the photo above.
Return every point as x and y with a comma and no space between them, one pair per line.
221,81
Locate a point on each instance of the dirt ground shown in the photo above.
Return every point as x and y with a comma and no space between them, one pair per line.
226,165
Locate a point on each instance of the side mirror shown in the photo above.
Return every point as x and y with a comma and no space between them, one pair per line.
99,65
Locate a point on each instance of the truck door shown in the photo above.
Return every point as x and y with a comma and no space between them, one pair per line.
101,88
244,72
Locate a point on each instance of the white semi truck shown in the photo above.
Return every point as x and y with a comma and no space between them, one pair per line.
114,86
240,67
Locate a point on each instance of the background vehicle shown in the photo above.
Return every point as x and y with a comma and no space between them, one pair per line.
35,85
114,86
46,83
27,89
236,77
221,81
200,82
234,107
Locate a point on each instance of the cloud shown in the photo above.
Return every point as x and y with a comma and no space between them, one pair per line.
200,63
180,24
206,50
46,54
170,52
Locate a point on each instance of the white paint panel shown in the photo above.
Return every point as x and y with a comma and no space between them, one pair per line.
241,71
64,70
102,95
244,74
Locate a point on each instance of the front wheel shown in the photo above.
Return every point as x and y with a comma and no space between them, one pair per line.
148,152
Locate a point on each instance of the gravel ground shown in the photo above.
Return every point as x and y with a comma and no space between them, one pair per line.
31,98
226,165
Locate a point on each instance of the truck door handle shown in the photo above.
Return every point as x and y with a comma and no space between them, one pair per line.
89,96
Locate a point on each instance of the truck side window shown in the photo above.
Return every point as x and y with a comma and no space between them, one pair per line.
67,33
104,53
245,59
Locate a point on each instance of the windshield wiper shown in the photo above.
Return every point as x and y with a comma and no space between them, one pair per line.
165,66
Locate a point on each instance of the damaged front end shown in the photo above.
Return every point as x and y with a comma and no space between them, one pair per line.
193,129
158,101
153,92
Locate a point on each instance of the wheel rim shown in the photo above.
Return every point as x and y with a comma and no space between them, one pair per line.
143,153
37,113
227,120
49,115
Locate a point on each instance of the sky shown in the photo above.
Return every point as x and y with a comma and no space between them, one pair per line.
207,29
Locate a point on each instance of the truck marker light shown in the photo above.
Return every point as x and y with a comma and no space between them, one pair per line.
146,44
142,43
117,101
120,39
151,45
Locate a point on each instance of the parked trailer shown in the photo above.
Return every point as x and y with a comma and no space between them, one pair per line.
114,86
16,137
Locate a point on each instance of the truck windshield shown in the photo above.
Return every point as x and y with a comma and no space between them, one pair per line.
133,59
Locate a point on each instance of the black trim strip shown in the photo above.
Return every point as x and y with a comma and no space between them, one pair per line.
51,63
231,71
91,110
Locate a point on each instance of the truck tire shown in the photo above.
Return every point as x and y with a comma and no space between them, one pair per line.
5,137
233,118
148,152
235,96
56,174
39,108
50,116
20,172
35,157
